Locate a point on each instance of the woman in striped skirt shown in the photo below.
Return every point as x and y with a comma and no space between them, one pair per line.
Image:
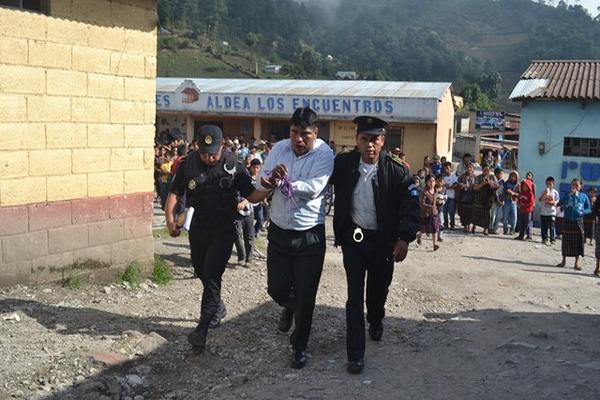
575,206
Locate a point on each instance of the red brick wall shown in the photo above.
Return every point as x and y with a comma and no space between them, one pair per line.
41,242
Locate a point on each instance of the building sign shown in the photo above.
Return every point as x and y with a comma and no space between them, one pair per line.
187,99
489,120
587,171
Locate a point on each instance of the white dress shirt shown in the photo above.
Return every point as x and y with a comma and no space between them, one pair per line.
363,210
309,174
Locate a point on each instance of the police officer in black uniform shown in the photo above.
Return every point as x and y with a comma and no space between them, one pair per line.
376,217
210,179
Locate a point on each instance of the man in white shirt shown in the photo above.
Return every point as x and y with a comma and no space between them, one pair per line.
450,182
298,169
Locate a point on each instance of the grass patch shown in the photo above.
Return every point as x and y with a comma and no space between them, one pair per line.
132,275
162,274
73,281
163,233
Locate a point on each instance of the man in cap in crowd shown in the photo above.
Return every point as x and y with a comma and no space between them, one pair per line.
210,180
376,217
299,168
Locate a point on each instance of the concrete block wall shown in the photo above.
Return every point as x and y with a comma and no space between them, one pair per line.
77,113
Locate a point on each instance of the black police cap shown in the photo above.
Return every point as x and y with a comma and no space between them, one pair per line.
370,125
304,117
210,139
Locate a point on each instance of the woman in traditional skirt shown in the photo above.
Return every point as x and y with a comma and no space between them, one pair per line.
430,222
466,196
575,206
485,186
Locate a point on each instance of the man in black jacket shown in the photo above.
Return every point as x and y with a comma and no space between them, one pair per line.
376,217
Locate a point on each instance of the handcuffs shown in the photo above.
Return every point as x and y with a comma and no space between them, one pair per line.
358,235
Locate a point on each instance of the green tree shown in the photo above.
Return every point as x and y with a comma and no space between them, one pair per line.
475,98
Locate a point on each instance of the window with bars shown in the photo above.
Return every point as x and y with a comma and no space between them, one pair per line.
31,5
581,147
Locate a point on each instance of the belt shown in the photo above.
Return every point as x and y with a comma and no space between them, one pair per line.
359,234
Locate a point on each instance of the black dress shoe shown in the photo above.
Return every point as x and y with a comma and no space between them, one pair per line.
197,338
376,331
356,367
299,359
285,320
215,322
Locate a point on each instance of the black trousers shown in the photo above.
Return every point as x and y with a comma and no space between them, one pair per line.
244,240
210,251
294,266
365,259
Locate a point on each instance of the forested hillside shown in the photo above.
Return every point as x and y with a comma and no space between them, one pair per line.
477,44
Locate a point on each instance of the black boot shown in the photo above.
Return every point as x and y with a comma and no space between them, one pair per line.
299,359
218,317
376,331
285,320
197,338
356,367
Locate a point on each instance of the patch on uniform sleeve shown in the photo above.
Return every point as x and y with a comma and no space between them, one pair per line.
413,190
396,159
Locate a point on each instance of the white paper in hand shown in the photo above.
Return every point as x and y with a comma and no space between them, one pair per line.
188,219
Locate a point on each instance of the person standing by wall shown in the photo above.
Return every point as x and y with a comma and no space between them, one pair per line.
575,206
549,200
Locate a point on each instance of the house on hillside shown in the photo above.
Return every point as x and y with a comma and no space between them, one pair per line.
560,120
77,113
272,69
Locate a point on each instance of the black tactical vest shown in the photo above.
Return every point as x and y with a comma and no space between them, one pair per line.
210,190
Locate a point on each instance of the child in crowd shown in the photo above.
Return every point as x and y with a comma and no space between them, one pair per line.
588,220
549,200
440,201
529,177
526,205
450,183
498,201
575,206
429,212
436,166
417,183
510,197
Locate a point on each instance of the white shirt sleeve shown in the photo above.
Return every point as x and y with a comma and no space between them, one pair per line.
320,172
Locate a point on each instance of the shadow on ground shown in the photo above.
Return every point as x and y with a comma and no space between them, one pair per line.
485,354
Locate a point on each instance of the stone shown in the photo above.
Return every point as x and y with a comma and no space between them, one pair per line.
108,359
540,335
134,380
13,317
594,365
150,343
91,386
106,289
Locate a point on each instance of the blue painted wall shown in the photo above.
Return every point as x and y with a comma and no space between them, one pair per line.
550,122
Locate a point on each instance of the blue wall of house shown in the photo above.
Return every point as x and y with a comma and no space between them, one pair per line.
550,122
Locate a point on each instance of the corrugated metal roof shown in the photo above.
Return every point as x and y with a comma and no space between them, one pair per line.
420,90
560,80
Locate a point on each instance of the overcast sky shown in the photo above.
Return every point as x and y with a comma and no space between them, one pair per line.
591,5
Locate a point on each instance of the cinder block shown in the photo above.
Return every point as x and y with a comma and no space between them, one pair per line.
149,158
24,247
105,184
90,160
105,135
90,110
44,216
141,42
13,50
13,108
126,206
49,162
126,158
47,54
139,135
126,112
89,59
13,164
22,136
151,67
22,24
105,37
136,227
66,136
68,238
106,86
50,267
126,251
14,220
22,79
139,181
105,232
140,89
99,254
48,109
22,191
15,273
66,83
67,31
124,64
67,187
90,210
150,112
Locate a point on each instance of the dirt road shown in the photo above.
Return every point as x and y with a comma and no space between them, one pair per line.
482,318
